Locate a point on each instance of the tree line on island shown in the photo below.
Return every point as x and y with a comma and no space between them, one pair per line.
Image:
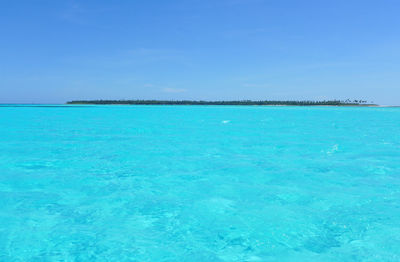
347,102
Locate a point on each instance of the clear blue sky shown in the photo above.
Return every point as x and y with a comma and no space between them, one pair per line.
54,51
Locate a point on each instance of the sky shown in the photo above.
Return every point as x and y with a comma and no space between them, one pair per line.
56,51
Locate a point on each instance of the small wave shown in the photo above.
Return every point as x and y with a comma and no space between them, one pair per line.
334,149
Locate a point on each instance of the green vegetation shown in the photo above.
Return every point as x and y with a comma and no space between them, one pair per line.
242,102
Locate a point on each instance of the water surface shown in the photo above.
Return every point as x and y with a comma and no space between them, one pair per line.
199,183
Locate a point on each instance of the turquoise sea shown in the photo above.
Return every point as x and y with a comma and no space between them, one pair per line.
199,183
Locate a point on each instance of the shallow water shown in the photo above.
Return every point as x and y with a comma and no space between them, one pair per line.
199,183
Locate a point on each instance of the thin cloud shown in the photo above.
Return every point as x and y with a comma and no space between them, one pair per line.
77,13
74,13
173,90
255,85
154,54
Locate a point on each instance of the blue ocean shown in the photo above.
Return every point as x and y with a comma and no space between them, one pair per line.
199,183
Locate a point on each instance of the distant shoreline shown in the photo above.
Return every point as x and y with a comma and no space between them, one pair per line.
226,103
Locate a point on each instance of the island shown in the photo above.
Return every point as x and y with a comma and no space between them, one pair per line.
347,102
